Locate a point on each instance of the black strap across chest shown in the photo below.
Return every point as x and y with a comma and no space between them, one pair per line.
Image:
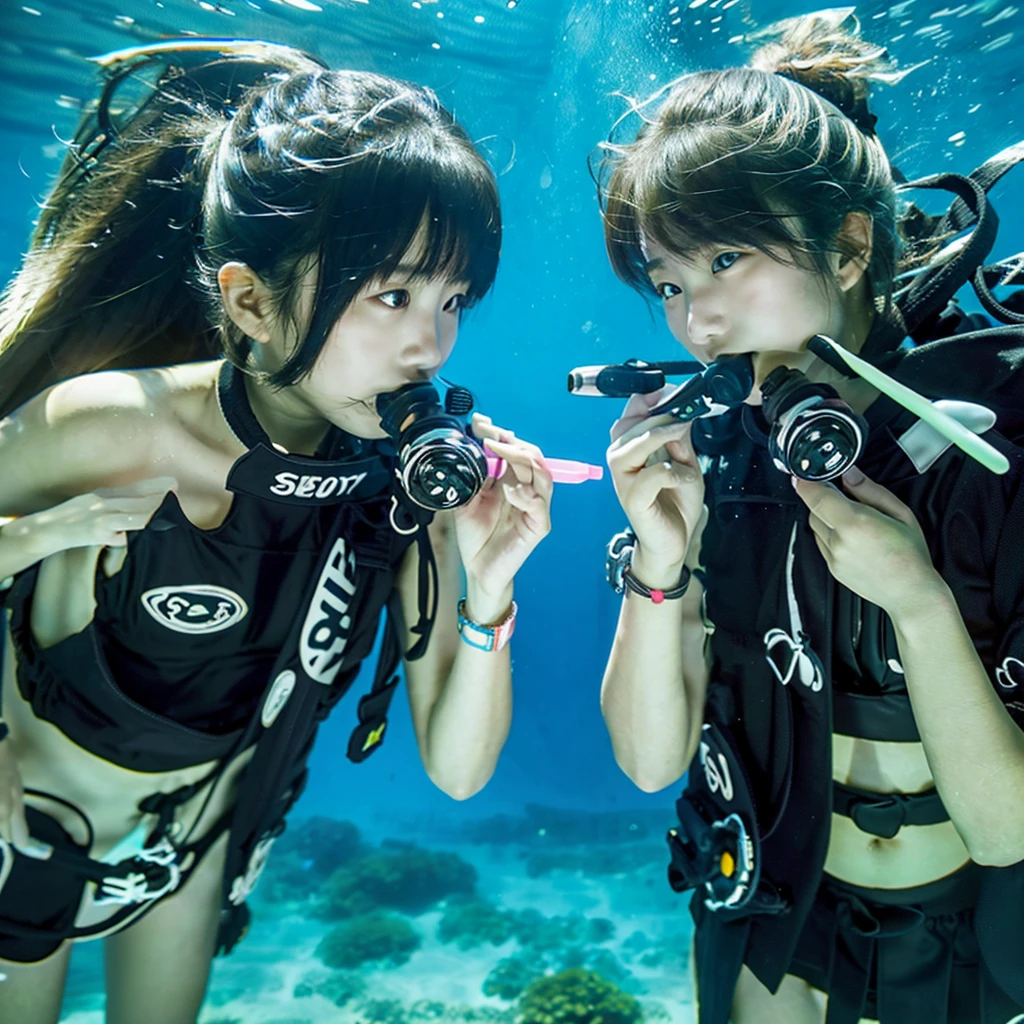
345,468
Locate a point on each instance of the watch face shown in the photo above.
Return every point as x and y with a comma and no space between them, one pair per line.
620,554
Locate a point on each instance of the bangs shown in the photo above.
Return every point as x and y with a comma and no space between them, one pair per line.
451,219
436,196
741,158
687,204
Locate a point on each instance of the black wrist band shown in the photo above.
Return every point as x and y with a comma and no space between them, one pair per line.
3,731
657,596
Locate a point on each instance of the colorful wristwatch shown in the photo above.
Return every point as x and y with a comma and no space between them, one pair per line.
487,638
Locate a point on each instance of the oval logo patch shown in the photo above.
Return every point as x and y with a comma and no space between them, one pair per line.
196,608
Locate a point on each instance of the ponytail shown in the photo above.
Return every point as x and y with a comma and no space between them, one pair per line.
825,53
773,155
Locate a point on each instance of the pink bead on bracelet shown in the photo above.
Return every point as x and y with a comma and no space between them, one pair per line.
656,596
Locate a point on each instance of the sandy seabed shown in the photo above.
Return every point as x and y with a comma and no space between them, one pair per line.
257,983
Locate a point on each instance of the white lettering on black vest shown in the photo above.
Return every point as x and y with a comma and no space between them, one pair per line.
307,486
325,631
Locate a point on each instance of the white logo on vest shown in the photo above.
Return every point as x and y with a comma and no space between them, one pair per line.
798,662
243,885
1010,674
716,775
195,608
280,691
325,631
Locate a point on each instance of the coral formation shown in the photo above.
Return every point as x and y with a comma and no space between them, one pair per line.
369,937
470,923
383,1011
577,996
402,877
608,965
543,934
324,843
511,976
305,856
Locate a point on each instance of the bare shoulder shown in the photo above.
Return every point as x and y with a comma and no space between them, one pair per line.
98,430
151,394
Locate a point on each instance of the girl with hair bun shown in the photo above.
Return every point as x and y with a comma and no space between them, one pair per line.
202,545
837,664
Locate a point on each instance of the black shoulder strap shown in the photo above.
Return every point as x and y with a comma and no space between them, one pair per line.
374,706
932,290
290,714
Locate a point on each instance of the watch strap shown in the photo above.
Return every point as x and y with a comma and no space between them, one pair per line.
487,638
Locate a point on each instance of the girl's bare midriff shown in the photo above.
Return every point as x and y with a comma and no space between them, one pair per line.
63,603
917,854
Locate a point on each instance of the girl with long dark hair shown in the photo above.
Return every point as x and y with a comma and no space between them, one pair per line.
201,546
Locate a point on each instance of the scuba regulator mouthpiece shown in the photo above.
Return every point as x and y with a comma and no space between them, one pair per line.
725,384
440,464
814,434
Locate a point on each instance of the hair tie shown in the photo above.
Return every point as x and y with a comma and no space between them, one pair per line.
862,117
839,92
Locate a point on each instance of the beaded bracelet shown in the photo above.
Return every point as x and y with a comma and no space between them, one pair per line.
487,638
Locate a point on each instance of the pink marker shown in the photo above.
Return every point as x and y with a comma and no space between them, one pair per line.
563,471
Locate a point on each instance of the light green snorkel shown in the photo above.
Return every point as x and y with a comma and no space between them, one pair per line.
836,356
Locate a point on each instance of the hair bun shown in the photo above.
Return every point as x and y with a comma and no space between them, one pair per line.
824,52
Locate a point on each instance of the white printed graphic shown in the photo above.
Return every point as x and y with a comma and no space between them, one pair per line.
6,861
1010,674
195,608
243,885
305,486
325,631
136,886
800,664
277,698
716,773
799,657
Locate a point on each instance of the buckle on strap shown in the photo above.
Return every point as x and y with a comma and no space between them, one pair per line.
883,817
884,814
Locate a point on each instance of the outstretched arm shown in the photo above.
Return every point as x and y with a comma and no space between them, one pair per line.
460,696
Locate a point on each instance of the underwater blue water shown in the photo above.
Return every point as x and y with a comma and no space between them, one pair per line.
540,83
